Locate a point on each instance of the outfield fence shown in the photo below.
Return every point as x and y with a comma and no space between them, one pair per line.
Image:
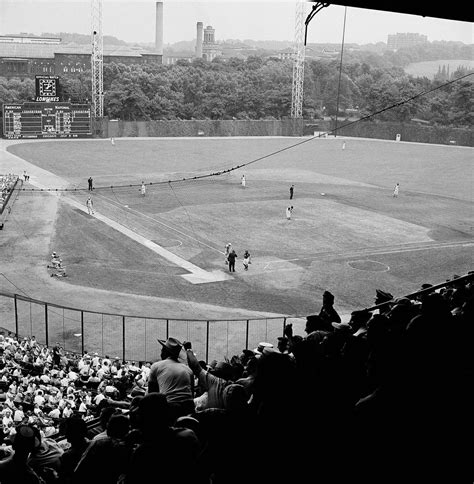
134,338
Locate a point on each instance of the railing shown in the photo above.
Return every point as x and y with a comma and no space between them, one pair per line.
6,206
134,338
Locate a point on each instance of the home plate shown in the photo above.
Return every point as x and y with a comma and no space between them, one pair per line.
202,277
77,334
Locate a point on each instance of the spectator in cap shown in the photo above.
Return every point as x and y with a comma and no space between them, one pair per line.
258,351
327,313
248,378
46,457
426,288
212,381
383,297
173,379
14,469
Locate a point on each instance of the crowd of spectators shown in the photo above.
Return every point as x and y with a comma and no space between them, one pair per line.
7,182
385,397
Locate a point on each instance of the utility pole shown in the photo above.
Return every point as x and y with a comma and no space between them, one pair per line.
97,59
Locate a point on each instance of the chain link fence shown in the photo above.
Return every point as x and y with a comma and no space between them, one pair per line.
134,338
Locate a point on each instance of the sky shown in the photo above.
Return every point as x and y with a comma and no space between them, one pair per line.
134,21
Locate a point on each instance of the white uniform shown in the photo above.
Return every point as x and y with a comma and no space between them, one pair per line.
89,206
243,181
395,190
143,189
288,213
112,140
228,248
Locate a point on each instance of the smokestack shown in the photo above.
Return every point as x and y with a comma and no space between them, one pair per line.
199,40
159,28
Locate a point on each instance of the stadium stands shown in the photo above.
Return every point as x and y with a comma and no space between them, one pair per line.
7,185
384,397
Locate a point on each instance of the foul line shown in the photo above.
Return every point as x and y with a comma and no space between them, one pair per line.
116,204
440,245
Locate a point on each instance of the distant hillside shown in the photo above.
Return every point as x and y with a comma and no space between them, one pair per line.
430,68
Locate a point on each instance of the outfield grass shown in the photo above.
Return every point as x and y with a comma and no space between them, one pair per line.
352,240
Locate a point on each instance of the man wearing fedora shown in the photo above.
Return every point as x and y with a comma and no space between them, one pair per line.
173,379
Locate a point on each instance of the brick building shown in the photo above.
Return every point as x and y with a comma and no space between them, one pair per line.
30,56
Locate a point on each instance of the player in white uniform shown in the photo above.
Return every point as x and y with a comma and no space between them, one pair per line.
395,190
243,180
228,248
143,189
289,210
90,206
246,260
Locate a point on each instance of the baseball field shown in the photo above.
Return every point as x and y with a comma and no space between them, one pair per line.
162,254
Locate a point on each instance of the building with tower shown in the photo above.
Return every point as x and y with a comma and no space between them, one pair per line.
206,45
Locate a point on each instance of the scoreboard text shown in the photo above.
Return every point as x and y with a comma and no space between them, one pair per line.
46,120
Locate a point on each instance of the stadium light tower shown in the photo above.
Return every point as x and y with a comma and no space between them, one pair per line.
301,30
298,63
97,59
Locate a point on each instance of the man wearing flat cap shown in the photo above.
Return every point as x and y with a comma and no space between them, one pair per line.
383,297
328,314
173,379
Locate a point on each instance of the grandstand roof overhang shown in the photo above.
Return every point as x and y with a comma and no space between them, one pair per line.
458,12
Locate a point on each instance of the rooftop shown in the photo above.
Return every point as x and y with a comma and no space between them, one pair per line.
47,51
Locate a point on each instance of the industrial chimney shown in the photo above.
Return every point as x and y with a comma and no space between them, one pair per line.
199,40
159,28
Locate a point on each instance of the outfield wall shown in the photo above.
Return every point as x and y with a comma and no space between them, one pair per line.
119,129
286,127
408,132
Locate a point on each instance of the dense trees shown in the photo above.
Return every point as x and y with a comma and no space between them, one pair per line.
261,88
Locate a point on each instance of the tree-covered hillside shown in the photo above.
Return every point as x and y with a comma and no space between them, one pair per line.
261,88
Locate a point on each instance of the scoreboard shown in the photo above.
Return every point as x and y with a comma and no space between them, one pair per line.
46,120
